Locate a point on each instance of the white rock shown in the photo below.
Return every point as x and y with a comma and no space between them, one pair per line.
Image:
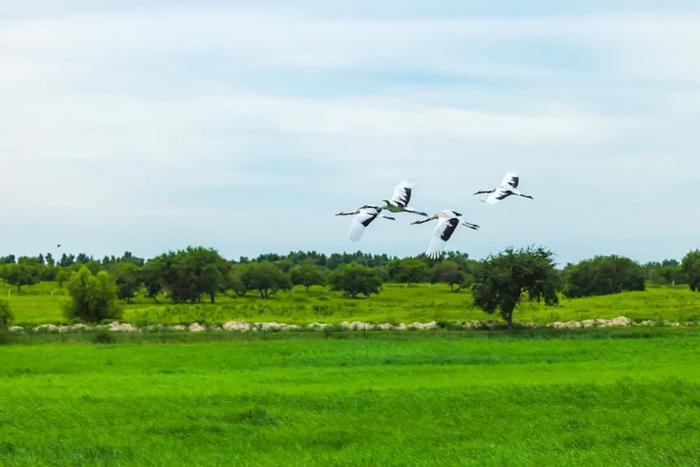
588,323
116,326
241,326
385,326
648,323
621,321
15,329
271,326
196,327
46,328
318,326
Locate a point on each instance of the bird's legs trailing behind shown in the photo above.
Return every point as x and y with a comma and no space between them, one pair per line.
471,226
423,221
484,192
413,211
347,213
521,194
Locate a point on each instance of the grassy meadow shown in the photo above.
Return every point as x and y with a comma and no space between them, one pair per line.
42,303
444,398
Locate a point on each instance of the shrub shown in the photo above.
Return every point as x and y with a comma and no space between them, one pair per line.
603,275
92,296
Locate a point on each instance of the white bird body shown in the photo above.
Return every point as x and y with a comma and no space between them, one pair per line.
507,187
400,199
363,217
448,221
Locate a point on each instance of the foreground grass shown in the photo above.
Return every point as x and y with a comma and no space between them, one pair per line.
43,304
385,399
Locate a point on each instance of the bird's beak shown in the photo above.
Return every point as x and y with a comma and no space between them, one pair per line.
458,214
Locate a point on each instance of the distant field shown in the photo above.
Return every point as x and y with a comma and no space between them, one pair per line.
386,399
397,303
42,304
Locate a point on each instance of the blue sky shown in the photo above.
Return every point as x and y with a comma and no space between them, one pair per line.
244,126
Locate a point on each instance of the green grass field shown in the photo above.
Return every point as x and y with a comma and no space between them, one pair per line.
42,304
447,398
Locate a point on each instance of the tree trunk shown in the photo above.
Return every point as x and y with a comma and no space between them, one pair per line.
212,297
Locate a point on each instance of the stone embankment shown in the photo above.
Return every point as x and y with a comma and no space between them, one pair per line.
244,326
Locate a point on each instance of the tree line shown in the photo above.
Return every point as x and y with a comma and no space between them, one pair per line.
197,273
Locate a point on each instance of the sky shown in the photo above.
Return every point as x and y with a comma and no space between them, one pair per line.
245,125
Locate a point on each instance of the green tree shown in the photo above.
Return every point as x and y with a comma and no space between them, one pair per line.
355,279
62,275
266,278
92,296
127,276
503,279
409,271
152,276
308,274
27,271
691,267
603,275
234,280
6,315
448,272
667,272
188,274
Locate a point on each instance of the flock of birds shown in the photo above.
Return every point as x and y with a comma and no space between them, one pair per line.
448,220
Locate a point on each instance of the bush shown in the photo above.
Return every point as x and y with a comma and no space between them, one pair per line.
92,296
355,279
603,275
6,315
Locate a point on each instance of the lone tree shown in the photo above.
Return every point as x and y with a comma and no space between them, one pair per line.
691,266
355,279
92,296
308,274
504,278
